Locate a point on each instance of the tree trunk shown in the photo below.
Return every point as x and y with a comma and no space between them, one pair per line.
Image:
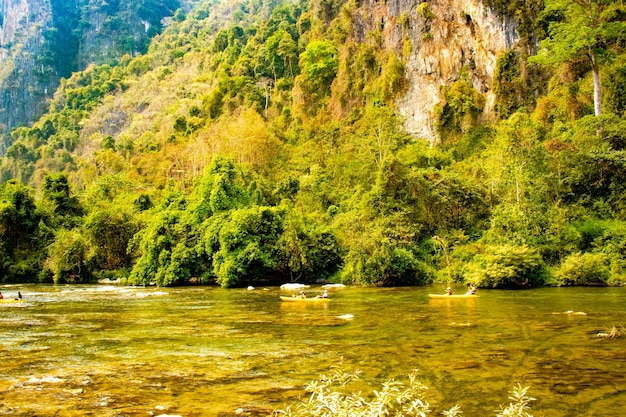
597,99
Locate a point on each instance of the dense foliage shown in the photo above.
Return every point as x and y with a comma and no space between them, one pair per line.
258,142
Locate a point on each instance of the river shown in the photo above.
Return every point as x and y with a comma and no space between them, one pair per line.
99,350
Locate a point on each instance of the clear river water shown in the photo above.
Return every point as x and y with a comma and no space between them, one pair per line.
100,350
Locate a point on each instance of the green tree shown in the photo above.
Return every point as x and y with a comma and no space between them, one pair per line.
20,160
272,55
382,231
515,161
247,245
109,232
507,266
582,29
181,241
165,234
22,234
593,174
220,189
18,217
306,249
460,108
56,191
68,257
288,50
319,64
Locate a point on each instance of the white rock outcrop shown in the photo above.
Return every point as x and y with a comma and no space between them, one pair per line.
454,36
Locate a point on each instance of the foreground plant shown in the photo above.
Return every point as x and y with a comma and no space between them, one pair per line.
327,398
519,405
613,333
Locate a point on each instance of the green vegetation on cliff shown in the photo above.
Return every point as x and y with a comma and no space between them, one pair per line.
258,141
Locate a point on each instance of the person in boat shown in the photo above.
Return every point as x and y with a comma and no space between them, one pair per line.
471,290
323,295
19,295
302,295
1,296
448,291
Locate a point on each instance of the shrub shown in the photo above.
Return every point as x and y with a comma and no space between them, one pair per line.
507,266
384,264
328,397
424,10
583,269
460,108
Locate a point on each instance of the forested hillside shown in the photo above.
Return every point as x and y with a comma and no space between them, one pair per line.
262,142
43,41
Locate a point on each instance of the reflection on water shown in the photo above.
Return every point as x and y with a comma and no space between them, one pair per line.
203,351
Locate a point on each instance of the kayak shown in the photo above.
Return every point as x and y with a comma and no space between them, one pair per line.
303,300
452,296
10,300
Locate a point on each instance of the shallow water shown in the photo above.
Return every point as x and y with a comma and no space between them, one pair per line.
204,351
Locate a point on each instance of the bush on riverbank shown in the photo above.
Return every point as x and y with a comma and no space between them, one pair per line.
331,396
507,266
583,269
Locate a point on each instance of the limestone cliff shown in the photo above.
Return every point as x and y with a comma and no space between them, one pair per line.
22,25
446,38
42,41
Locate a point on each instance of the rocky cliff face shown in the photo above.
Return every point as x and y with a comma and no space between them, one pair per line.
42,41
22,87
446,38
